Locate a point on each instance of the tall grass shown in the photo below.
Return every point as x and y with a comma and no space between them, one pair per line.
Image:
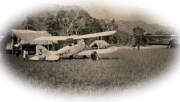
123,68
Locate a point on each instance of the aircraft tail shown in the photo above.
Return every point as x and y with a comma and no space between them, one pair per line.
41,51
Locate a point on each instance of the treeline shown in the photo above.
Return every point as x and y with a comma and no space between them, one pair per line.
69,21
74,20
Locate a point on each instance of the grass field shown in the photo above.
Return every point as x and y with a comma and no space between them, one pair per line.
124,68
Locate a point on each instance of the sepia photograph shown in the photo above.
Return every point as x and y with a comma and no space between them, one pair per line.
80,49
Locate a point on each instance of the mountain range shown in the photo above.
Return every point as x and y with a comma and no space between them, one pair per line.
127,26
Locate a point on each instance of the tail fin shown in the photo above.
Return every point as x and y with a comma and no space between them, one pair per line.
41,51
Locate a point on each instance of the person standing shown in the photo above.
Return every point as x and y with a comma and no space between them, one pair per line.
95,56
172,44
138,35
24,54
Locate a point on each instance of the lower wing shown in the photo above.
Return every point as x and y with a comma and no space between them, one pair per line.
46,58
99,51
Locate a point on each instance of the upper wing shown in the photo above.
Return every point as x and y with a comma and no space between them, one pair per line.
160,36
53,38
93,35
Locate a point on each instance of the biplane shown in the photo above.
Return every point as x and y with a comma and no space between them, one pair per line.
73,50
169,40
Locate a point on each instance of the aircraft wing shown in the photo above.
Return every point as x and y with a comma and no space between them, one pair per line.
160,36
53,38
99,51
93,35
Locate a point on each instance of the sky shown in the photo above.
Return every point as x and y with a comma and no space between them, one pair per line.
123,13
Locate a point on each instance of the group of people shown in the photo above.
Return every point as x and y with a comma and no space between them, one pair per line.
24,55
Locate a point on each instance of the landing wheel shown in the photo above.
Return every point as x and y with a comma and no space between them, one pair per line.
71,57
84,57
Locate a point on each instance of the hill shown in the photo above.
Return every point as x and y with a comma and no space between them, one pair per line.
127,26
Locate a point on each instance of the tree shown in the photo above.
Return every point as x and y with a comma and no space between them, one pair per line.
70,21
138,36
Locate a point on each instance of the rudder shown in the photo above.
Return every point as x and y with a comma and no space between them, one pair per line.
41,51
